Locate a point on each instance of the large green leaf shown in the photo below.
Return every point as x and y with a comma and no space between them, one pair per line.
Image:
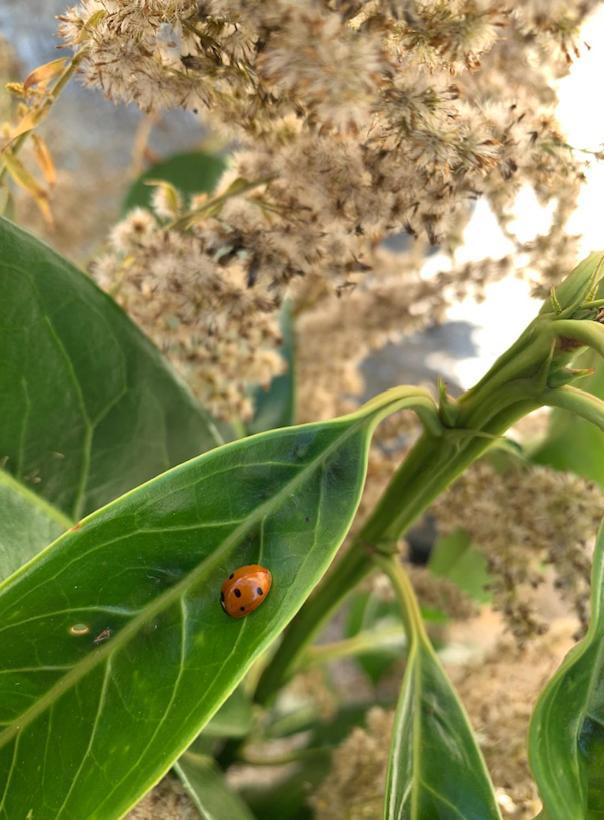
436,771
88,407
192,173
573,443
208,789
114,647
566,743
27,524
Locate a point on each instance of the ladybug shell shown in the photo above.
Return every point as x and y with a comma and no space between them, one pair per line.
245,589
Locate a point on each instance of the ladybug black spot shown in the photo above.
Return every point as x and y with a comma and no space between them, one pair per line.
237,593
242,609
232,575
259,590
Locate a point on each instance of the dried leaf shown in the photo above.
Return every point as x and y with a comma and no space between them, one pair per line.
43,74
15,88
27,122
44,159
19,173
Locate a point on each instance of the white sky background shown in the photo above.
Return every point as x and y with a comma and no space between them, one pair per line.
508,307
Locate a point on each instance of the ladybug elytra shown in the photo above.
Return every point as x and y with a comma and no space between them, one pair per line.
245,589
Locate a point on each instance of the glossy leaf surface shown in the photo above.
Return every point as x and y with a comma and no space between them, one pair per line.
114,646
436,771
566,744
27,524
208,789
191,172
88,407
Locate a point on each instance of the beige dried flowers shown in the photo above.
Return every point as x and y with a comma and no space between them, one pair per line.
525,520
194,302
354,788
363,119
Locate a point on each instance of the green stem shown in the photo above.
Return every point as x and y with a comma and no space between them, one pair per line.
364,642
577,401
251,759
513,387
429,468
587,332
410,611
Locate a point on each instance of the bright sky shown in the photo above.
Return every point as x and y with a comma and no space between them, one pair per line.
508,307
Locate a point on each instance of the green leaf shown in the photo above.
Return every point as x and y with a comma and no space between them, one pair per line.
436,769
115,648
578,285
191,173
276,406
566,739
88,407
208,789
455,558
27,524
573,443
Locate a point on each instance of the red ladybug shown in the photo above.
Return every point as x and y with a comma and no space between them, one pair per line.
245,589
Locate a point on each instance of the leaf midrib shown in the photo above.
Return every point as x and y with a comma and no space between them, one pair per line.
169,596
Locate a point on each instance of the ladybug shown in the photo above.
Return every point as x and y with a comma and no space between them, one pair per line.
245,589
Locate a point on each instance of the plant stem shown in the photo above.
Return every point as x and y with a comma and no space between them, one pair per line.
429,468
385,638
410,611
589,407
44,109
518,383
186,220
251,759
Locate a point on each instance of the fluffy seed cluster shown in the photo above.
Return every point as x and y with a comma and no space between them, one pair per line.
500,693
194,302
432,592
525,520
167,801
354,788
361,120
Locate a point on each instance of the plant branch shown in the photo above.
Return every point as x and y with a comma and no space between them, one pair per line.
40,114
410,611
577,401
363,642
517,384
589,333
429,468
